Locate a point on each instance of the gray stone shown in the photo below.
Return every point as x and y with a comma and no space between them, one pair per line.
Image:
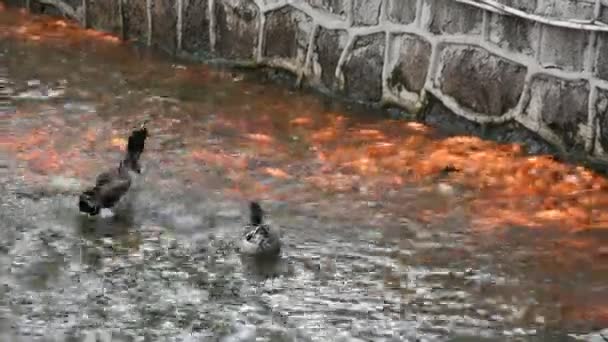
363,70
514,34
104,15
237,28
73,3
562,106
483,82
135,19
195,26
366,12
601,107
450,17
566,9
48,9
604,14
15,3
337,7
40,8
564,48
412,66
287,34
524,5
402,11
164,25
328,48
601,64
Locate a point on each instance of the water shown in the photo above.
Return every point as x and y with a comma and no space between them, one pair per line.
382,241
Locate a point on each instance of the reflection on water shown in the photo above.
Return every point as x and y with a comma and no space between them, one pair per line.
392,230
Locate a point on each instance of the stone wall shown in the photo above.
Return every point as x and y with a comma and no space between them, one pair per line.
541,63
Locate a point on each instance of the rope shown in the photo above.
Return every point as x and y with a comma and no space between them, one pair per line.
586,25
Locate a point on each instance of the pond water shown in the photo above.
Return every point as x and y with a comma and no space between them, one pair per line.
392,231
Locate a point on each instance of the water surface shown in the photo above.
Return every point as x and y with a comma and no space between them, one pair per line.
392,231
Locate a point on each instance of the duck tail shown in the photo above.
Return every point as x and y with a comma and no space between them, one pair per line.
87,202
256,212
135,147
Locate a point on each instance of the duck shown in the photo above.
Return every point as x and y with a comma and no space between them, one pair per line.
260,238
111,186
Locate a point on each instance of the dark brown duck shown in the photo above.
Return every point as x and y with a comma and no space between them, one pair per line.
112,185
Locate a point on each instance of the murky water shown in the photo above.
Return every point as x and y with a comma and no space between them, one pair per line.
382,241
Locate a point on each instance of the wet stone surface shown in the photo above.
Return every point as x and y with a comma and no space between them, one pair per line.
566,9
328,48
41,8
475,65
564,106
136,22
237,28
412,56
287,34
524,5
601,107
515,34
602,56
104,15
442,18
164,25
195,36
73,3
363,69
402,11
337,7
437,115
15,3
366,12
564,48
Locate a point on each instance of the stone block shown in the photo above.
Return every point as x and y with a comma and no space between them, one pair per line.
604,14
366,12
450,17
40,8
402,11
337,7
327,50
601,63
436,114
237,29
164,25
15,3
136,21
271,2
560,105
514,34
287,33
104,15
601,107
566,9
486,83
363,68
564,48
411,57
195,26
523,5
75,4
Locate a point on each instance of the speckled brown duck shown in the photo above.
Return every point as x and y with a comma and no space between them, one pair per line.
260,238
